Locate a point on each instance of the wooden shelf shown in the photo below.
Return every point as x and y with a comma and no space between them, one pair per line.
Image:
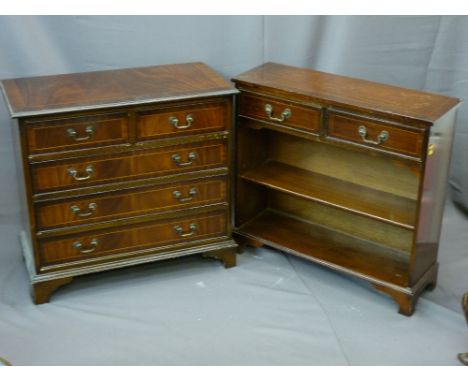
328,247
324,189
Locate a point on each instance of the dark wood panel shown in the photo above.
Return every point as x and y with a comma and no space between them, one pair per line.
329,247
349,196
432,196
183,120
279,112
131,238
119,204
375,134
347,222
79,91
64,133
86,172
310,85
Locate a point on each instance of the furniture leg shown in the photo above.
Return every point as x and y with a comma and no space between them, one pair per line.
226,255
44,289
406,300
246,241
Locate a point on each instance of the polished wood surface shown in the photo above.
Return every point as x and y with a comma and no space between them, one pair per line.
49,135
131,166
129,238
43,290
366,96
367,168
122,167
191,119
361,192
399,140
121,204
323,245
84,91
334,192
345,221
432,195
300,117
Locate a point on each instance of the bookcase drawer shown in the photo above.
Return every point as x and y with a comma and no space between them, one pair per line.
376,134
280,112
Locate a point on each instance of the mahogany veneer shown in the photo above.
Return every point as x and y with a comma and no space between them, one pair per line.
343,172
122,167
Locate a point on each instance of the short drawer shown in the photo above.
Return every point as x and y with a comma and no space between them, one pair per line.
146,163
376,134
117,205
280,112
75,133
129,239
182,120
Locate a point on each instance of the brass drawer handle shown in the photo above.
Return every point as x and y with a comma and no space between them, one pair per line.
74,173
191,157
180,231
178,195
284,115
92,246
77,210
381,138
72,133
175,122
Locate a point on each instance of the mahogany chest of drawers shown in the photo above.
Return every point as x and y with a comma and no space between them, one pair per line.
347,173
122,167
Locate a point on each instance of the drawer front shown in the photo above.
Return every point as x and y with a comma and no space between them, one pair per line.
131,203
132,238
183,120
86,172
76,133
376,134
279,112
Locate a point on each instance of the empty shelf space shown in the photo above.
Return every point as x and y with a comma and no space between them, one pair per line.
352,197
328,247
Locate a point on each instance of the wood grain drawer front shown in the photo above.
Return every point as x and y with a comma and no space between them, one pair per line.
376,134
279,112
185,120
120,205
85,172
76,133
133,238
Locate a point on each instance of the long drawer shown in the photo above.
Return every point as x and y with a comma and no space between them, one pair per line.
145,163
60,134
132,238
123,204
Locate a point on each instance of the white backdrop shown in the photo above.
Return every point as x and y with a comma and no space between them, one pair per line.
422,52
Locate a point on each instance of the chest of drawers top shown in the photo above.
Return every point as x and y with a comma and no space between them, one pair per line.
33,96
305,85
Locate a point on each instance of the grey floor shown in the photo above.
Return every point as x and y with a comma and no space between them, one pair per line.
271,309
